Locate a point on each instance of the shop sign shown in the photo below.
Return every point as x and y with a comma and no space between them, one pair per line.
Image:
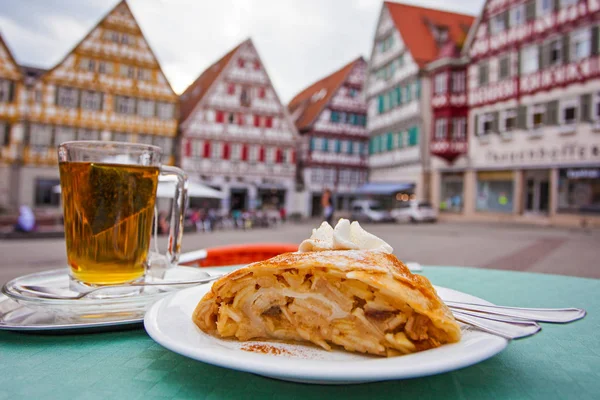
587,173
568,152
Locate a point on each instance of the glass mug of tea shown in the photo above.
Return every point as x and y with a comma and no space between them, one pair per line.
109,193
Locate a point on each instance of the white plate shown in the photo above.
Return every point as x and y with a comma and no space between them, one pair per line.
169,322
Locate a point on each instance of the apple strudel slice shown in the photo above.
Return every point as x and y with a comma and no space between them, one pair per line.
363,300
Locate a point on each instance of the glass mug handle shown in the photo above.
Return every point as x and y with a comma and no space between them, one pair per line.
177,212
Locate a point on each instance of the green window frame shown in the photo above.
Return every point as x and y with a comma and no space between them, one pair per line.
381,104
390,140
413,136
398,91
338,146
418,89
335,116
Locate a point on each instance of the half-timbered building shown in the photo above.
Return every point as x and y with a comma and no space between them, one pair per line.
331,117
534,113
109,87
236,135
407,38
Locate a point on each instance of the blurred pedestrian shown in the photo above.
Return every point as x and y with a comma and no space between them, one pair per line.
26,220
327,204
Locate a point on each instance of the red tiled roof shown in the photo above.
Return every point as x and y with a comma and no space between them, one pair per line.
414,24
194,93
312,109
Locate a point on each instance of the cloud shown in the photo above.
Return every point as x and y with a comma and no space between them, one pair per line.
299,41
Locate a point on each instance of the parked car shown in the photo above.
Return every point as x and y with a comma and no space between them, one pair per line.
414,211
369,210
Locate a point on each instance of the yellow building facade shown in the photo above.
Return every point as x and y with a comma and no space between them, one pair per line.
109,87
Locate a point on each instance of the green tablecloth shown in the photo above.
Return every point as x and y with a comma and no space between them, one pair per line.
563,361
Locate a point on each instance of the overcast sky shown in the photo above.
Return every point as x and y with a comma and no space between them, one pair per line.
299,41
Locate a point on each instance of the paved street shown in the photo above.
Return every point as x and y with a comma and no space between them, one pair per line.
524,248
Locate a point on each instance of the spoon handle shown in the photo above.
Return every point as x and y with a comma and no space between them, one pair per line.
555,315
509,330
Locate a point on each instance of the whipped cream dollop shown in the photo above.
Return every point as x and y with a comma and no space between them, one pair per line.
345,236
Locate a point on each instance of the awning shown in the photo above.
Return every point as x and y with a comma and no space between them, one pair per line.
271,186
195,189
384,188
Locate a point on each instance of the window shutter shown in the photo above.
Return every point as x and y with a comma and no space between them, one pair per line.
495,121
261,154
11,91
381,106
506,19
312,143
338,146
585,103
541,57
545,55
551,114
418,89
245,152
324,144
530,11
399,95
566,47
595,40
522,117
206,149
390,141
519,61
56,89
556,5
225,151
188,148
476,122
350,147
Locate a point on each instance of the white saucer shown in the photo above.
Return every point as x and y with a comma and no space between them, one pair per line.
22,311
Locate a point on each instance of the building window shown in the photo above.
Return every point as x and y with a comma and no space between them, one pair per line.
165,110
45,194
165,143
536,116
517,15
568,111
125,39
145,108
262,93
554,52
38,96
67,97
567,3
335,116
508,121
451,196
111,36
385,44
241,62
596,109
458,82
217,150
144,74
85,64
544,7
498,23
504,65
352,92
495,191
270,155
87,134
4,134
40,136
245,97
105,67
121,137
485,125
579,190
126,71
91,100
440,129
581,44
459,129
6,91
484,72
63,134
236,151
124,105
440,83
529,59
413,136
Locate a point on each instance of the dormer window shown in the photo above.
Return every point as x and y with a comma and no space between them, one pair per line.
440,33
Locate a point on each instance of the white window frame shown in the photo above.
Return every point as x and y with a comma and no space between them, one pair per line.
540,11
125,105
67,97
441,129
505,115
497,24
458,81
165,110
197,148
64,134
145,108
253,153
555,42
531,111
530,60
517,15
483,119
40,135
459,128
581,36
441,83
270,155
236,151
91,101
563,106
216,150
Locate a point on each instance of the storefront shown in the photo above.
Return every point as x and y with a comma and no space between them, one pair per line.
495,191
579,191
452,192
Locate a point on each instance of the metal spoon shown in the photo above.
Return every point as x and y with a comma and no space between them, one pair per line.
509,329
114,290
